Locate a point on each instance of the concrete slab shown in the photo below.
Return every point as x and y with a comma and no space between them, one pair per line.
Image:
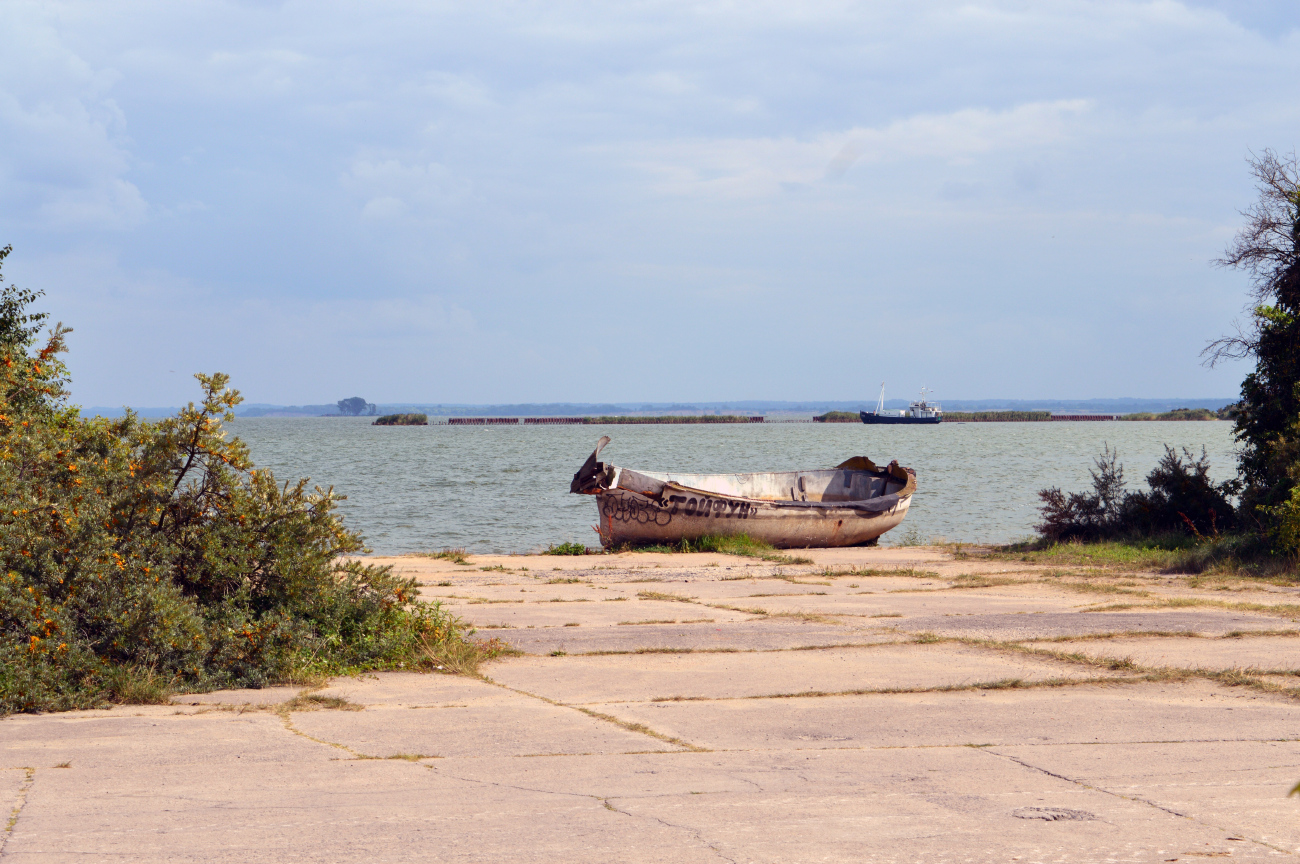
517,726
760,634
588,614
1243,784
1271,653
923,603
344,810
526,592
119,741
644,678
1052,625
1123,713
1135,772
264,696
418,690
941,804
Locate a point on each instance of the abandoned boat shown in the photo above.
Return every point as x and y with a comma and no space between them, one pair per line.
851,504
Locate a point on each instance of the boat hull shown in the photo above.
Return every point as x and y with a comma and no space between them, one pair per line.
873,419
631,518
851,504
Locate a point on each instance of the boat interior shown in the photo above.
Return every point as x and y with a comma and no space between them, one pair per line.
827,486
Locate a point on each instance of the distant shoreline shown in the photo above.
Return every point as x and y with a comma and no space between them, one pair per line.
771,410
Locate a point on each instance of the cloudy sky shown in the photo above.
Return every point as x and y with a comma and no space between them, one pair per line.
492,202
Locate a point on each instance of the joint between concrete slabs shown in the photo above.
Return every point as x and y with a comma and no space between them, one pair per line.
639,728
20,800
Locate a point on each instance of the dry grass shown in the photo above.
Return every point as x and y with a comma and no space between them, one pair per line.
999,684
659,595
807,617
464,656
876,572
792,580
641,729
1283,610
307,701
455,556
1099,588
750,610
974,580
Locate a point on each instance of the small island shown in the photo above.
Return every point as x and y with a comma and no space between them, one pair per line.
402,420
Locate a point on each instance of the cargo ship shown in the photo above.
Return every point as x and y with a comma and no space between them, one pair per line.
919,411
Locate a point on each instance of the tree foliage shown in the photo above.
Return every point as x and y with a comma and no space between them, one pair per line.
138,558
1268,416
354,406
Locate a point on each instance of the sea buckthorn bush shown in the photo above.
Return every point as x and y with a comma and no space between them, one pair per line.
143,558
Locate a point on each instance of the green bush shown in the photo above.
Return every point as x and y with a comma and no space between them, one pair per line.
139,559
566,549
1180,499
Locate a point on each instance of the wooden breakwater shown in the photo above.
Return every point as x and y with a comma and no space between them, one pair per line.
997,416
588,421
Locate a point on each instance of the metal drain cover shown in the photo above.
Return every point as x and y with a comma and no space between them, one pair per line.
1052,814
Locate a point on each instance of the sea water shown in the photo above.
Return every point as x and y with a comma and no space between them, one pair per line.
506,488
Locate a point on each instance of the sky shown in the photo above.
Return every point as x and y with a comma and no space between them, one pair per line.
644,201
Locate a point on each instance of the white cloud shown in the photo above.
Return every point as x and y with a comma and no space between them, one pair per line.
337,172
65,157
393,188
756,167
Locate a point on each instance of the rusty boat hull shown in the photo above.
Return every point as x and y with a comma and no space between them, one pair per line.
852,504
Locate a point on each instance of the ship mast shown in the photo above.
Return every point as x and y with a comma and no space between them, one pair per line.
880,403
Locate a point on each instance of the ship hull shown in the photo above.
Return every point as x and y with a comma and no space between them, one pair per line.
872,419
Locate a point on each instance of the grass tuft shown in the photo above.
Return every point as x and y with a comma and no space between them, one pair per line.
728,544
569,549
872,572
315,702
463,655
455,556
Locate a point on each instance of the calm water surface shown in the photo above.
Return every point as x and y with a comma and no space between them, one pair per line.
505,489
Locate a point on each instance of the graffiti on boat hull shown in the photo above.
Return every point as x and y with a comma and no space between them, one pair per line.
646,511
641,511
705,507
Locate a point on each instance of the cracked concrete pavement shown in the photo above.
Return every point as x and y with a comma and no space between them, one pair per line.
881,705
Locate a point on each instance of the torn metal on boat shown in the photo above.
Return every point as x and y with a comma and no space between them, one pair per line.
852,504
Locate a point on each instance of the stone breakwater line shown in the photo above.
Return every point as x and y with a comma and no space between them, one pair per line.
603,421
